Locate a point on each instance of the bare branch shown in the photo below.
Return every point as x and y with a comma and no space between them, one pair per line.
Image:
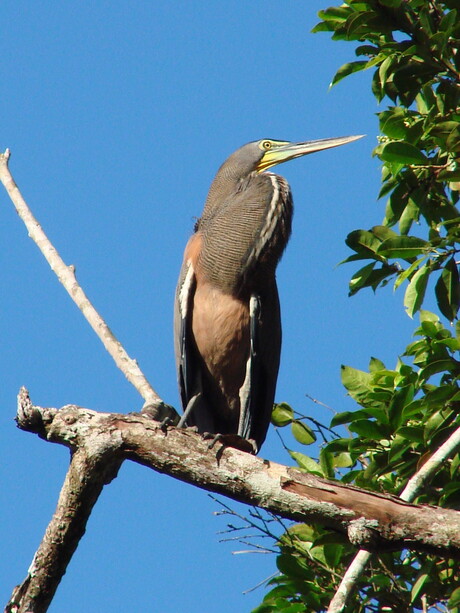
349,580
418,481
411,491
94,463
66,275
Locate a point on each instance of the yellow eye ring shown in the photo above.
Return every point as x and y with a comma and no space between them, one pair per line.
266,145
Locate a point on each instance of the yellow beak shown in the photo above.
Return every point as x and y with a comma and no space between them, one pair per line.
282,152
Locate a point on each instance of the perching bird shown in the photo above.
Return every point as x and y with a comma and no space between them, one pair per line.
227,315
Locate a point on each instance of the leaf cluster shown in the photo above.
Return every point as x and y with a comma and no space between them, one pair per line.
405,414
413,48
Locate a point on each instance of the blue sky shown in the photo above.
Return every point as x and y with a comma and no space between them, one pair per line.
118,115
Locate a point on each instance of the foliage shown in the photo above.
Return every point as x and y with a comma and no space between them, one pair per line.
412,45
404,414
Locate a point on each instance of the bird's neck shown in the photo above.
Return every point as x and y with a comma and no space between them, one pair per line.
225,184
245,226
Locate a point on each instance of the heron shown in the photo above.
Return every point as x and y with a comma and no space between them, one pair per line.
227,323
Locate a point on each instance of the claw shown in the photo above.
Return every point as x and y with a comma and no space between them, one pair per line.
232,440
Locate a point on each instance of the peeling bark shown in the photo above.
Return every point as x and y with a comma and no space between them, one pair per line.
100,442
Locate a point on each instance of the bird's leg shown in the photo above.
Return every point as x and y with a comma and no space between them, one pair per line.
247,390
188,409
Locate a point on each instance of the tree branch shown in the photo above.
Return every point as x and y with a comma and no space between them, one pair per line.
101,441
410,492
66,275
94,462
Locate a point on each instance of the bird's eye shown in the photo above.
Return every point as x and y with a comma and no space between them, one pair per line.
266,144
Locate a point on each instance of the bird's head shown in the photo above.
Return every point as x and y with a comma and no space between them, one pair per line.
263,154
258,156
272,152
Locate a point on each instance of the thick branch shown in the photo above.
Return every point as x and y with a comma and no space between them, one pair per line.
101,441
94,463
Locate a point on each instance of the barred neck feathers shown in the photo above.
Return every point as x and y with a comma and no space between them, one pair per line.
274,232
245,231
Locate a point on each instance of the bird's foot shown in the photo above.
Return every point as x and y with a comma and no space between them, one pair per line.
231,440
162,412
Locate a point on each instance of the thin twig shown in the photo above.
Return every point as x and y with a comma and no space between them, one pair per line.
413,487
66,275
316,401
263,582
319,425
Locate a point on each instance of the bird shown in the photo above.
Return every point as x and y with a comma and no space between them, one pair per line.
227,322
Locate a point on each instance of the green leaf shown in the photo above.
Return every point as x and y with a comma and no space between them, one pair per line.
403,247
440,395
375,365
303,433
345,418
378,277
342,460
415,292
403,153
447,290
418,586
396,204
453,140
411,433
358,24
446,365
338,445
429,329
383,232
335,13
304,532
449,21
282,414
393,122
305,462
358,280
326,463
428,316
405,274
401,398
292,566
368,50
333,554
356,382
451,343
368,429
410,214
399,446
347,69
364,243
454,600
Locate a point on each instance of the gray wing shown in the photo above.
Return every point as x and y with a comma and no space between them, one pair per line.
183,306
258,392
